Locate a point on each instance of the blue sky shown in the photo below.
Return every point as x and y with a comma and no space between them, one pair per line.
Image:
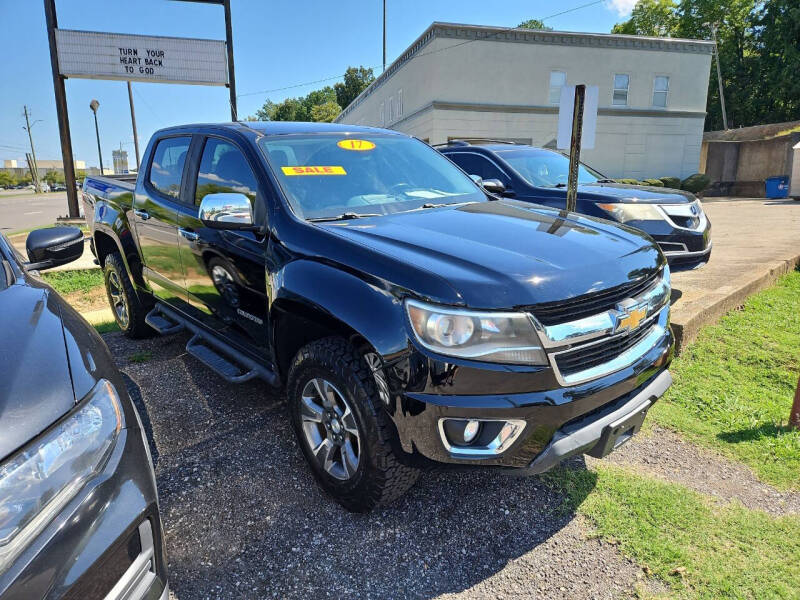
277,43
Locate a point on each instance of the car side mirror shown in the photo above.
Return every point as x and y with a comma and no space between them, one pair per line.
494,186
228,210
53,246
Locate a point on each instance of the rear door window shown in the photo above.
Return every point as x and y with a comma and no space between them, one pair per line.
166,169
223,168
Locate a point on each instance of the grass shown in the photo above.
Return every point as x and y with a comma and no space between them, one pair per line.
106,327
701,549
735,384
81,280
140,357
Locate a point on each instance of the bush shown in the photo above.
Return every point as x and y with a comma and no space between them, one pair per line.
671,182
696,183
628,181
653,182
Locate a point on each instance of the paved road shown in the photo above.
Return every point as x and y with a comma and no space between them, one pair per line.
20,210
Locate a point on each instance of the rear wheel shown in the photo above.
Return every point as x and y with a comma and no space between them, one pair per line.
342,428
129,312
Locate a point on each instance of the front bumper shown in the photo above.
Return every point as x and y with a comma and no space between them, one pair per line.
433,390
106,543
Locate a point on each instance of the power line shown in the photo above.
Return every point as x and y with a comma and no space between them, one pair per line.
503,30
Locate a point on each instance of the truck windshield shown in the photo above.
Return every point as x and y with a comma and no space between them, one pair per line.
545,168
328,175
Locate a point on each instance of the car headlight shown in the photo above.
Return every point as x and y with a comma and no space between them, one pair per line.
501,337
624,212
37,482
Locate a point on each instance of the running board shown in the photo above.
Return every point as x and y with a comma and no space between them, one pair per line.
161,322
227,362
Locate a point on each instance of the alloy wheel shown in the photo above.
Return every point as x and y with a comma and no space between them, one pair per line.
330,428
118,300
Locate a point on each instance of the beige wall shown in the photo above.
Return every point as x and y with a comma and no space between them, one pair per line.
506,88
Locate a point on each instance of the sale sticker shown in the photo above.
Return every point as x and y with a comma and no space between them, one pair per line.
357,145
328,170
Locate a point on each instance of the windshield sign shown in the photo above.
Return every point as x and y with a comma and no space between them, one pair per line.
544,168
329,176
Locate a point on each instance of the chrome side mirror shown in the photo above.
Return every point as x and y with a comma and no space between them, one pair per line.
53,246
494,186
226,211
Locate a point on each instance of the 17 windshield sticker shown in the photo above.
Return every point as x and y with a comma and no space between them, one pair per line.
356,145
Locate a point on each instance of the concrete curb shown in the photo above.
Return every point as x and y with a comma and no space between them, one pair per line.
736,294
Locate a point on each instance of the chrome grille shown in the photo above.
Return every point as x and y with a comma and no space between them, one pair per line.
592,355
555,313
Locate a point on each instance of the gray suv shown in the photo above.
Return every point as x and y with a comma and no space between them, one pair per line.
78,504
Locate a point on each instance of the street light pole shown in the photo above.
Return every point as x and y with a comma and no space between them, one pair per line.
94,105
133,124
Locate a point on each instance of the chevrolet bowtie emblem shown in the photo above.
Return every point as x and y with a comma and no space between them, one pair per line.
629,315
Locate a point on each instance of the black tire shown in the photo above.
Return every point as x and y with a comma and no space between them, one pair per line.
379,477
120,289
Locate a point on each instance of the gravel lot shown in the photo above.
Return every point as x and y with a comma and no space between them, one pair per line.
245,519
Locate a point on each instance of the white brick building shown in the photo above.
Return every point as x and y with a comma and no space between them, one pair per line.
467,81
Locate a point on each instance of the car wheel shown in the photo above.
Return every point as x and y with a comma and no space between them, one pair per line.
129,312
343,431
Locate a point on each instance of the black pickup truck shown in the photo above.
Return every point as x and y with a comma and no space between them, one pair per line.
412,317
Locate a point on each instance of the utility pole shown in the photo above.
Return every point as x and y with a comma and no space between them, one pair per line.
133,124
719,77
61,110
34,167
384,36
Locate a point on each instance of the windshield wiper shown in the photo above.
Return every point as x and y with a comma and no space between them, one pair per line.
605,181
346,217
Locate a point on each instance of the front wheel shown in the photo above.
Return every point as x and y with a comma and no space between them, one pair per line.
342,429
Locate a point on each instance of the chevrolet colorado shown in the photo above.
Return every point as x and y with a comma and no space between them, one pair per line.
412,318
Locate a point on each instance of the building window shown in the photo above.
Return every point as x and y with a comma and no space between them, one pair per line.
620,97
399,103
382,115
660,91
390,110
558,79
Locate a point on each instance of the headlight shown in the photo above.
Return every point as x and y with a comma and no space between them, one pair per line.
37,482
501,337
624,212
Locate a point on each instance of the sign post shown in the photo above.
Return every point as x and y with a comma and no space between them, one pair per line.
577,125
575,147
61,111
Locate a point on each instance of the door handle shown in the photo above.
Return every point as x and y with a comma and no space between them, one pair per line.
142,214
189,235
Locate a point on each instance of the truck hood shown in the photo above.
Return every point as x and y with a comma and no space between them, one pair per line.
506,254
619,192
35,384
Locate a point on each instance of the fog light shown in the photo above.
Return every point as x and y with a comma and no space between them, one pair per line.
471,430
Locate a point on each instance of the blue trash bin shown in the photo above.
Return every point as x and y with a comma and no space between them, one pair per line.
777,187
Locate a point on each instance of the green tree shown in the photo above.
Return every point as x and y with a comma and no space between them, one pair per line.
356,80
6,179
650,17
534,24
325,113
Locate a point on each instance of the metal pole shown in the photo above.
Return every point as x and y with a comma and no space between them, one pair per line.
99,152
61,111
575,147
794,416
133,124
33,168
384,35
229,46
719,78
